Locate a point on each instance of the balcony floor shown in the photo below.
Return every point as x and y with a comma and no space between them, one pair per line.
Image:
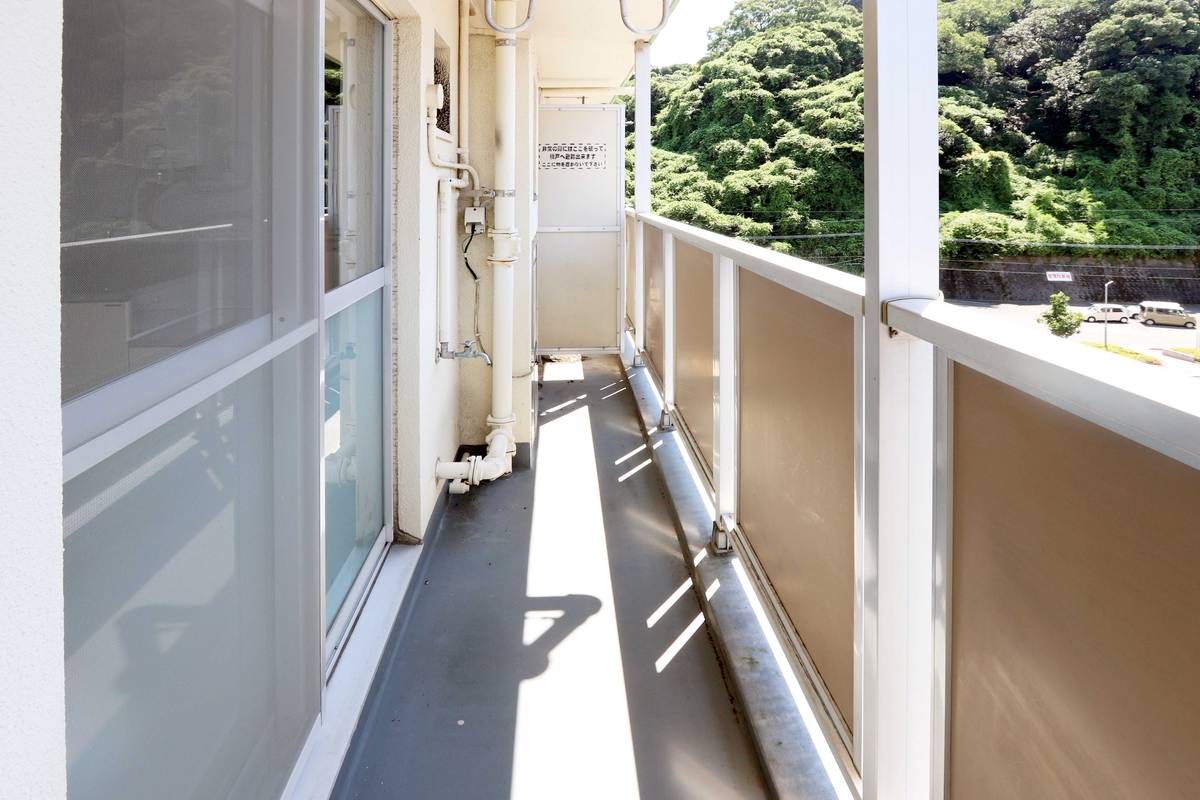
553,646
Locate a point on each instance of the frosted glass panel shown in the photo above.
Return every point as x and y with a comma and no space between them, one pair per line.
353,444
192,633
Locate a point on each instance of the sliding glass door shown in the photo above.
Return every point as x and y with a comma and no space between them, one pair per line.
356,487
225,372
190,372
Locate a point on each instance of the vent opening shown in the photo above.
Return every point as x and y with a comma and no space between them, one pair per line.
441,76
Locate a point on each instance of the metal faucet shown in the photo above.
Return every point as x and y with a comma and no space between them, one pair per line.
469,351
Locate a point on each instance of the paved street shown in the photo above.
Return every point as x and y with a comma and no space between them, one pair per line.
1133,335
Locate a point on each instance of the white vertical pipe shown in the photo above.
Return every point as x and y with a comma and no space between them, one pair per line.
901,245
504,233
447,220
641,126
641,187
464,81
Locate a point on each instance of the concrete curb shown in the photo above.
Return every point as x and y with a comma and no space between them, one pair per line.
1178,355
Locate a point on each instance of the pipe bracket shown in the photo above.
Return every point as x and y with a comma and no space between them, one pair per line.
489,14
662,22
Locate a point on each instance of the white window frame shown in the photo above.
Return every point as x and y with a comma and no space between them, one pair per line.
330,303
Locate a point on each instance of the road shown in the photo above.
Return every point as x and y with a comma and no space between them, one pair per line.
1133,335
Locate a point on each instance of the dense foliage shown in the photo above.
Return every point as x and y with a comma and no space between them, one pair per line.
1062,121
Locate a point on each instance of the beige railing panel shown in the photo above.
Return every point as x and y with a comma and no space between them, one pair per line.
796,493
694,343
654,296
1075,606
630,266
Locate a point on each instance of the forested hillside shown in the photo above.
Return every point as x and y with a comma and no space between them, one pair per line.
1062,121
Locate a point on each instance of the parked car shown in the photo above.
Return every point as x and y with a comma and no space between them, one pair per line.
1155,312
1096,313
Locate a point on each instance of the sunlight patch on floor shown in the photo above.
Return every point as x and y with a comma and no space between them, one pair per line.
553,371
629,455
661,611
635,470
578,703
687,634
561,406
678,644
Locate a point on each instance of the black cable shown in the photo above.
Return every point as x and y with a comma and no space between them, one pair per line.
467,247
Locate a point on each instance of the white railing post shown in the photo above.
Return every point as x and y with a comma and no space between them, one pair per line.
725,438
666,421
641,190
901,250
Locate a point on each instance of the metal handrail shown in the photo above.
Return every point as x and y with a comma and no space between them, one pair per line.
662,23
489,8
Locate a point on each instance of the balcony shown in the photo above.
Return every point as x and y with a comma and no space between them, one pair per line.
677,595
552,643
771,530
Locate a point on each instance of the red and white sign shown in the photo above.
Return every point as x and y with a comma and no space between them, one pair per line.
1059,277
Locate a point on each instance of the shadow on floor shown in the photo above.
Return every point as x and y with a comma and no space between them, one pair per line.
553,647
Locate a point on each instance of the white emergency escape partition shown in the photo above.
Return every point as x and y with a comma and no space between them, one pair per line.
581,177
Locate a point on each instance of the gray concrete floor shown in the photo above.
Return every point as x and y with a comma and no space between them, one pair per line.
553,647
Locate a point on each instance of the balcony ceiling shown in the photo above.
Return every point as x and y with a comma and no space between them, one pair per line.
582,44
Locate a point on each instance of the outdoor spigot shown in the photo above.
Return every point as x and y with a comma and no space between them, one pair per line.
470,350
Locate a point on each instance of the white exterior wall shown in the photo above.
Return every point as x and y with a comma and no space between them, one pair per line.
32,708
426,390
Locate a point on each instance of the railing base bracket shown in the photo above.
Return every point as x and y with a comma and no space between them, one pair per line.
721,542
665,423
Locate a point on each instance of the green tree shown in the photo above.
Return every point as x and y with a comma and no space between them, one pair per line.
1062,122
1061,320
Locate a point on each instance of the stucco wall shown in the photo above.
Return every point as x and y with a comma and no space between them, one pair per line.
426,390
32,715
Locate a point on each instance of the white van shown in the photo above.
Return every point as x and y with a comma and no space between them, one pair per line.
1156,312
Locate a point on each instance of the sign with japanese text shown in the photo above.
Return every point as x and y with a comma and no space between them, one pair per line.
1059,277
573,155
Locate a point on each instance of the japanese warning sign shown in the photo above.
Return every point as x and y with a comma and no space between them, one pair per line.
573,155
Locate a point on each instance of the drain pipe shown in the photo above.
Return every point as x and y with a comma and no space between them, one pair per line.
501,441
435,98
464,81
447,219
448,195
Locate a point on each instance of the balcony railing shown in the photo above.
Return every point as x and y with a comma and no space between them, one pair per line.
1064,548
